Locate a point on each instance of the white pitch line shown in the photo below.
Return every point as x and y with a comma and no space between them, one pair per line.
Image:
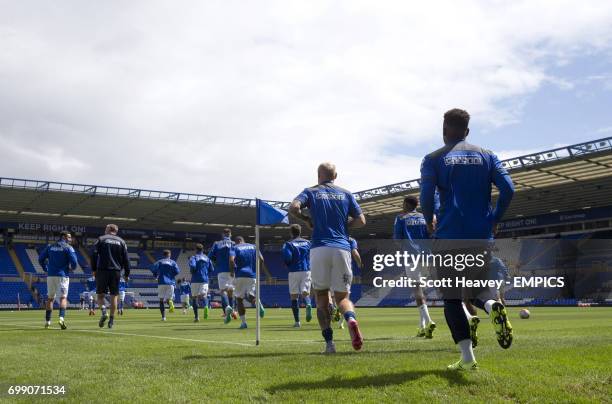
140,335
263,341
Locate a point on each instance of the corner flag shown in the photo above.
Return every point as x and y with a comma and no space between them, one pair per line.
265,214
268,214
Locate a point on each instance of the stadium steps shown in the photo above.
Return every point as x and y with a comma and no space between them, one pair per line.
33,255
183,262
18,266
85,255
150,257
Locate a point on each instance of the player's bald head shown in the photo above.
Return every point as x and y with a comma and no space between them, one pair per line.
327,172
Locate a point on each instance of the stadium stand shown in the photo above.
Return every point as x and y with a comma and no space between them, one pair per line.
562,194
7,267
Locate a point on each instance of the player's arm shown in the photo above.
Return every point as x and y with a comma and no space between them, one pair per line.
43,257
504,184
192,264
398,230
262,262
73,262
155,268
428,190
357,257
287,254
295,209
232,264
356,217
212,254
126,263
94,258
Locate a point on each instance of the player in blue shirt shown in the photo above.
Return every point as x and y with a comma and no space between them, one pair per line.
122,288
464,174
185,292
165,270
57,260
333,210
410,227
296,256
243,261
201,268
220,256
91,295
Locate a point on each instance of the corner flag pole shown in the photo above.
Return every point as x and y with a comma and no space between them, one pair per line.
257,300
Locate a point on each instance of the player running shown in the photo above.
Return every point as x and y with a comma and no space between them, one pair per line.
122,288
463,174
296,255
200,267
219,254
90,295
410,227
165,270
185,291
243,261
57,260
109,257
333,210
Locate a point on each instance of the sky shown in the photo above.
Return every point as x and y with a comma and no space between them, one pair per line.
245,99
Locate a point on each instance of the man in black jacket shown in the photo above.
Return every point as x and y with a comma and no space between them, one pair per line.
109,257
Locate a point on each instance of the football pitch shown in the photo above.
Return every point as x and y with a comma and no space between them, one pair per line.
558,355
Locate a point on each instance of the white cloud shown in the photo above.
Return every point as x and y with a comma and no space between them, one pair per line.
246,98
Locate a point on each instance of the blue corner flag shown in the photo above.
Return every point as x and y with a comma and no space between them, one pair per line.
268,214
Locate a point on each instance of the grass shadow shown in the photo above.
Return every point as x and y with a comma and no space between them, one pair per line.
381,380
259,355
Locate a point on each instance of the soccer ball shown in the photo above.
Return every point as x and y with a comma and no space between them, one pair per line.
524,314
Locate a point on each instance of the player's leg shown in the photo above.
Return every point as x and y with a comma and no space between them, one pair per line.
324,318
241,312
114,299
484,298
121,302
64,282
51,293
197,295
102,278
306,285
473,320
170,299
499,318
460,331
62,312
224,285
427,324
113,290
321,264
161,294
341,279
294,288
295,308
162,309
232,299
204,296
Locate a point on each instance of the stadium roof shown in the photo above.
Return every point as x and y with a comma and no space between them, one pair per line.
561,179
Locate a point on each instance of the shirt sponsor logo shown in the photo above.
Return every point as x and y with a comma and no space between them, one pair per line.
330,196
463,160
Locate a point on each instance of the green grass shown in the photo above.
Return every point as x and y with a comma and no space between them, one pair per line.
558,355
